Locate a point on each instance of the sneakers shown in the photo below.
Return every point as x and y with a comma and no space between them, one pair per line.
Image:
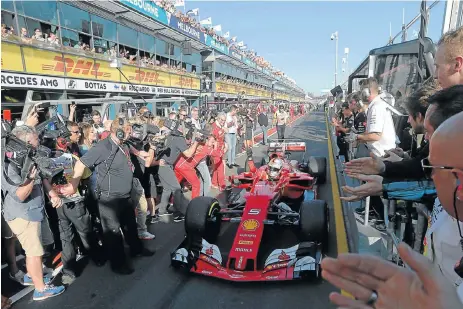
154,219
18,277
28,280
49,291
179,218
146,235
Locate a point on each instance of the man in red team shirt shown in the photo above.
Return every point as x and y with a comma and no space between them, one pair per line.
218,130
185,167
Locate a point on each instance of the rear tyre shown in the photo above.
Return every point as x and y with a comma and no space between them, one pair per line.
203,219
313,222
317,168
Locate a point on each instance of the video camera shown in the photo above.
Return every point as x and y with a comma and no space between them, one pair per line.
24,157
142,135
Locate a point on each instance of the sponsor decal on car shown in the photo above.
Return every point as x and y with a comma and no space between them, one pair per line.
206,272
236,276
283,256
243,249
248,235
271,277
275,266
254,211
209,260
240,262
210,251
250,225
245,242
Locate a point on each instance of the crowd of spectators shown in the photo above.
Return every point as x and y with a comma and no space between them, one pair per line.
51,40
425,181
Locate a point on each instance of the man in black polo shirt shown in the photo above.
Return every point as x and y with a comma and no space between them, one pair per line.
110,159
176,147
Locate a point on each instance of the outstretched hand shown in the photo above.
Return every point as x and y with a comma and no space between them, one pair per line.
422,287
372,165
372,187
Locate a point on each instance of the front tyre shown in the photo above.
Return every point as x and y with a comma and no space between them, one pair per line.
203,218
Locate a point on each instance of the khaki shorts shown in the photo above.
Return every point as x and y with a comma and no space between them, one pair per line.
32,235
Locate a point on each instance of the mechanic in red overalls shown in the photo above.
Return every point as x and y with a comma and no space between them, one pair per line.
219,130
185,167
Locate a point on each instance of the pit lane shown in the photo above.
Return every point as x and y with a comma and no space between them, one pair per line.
155,285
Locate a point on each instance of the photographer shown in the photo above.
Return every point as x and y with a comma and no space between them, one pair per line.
185,167
176,148
23,209
111,160
73,214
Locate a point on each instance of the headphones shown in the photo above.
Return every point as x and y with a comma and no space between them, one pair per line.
120,134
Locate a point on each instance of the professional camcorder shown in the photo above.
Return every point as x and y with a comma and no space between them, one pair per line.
142,135
24,156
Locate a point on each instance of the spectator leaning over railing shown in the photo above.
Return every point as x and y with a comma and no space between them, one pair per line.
23,210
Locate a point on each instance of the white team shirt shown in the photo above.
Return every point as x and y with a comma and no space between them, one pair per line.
379,120
233,119
443,248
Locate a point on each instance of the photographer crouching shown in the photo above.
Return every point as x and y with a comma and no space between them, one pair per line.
113,189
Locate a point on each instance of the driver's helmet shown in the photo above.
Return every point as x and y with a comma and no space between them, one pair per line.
274,168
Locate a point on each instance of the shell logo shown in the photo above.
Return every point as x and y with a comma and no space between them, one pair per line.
250,224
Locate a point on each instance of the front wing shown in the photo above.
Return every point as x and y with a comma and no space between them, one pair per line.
297,262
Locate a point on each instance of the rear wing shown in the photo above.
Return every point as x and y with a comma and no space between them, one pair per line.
287,146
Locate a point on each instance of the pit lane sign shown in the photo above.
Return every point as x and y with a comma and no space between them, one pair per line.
12,80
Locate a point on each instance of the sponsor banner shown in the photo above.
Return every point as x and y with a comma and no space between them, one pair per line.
195,83
209,41
132,73
226,95
11,80
185,28
148,8
179,81
43,62
105,72
11,57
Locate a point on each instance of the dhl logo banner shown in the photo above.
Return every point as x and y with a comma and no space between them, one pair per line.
44,62
11,57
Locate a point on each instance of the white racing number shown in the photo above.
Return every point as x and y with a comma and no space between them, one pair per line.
254,211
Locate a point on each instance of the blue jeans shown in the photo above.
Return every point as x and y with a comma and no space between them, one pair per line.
230,139
264,133
206,181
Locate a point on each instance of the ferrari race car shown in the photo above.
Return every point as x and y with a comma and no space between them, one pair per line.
277,197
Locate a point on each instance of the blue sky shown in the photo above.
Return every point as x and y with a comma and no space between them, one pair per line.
295,36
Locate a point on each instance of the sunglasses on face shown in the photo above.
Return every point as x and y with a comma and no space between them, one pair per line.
428,167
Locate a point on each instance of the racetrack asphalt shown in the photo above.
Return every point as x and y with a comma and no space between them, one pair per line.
154,284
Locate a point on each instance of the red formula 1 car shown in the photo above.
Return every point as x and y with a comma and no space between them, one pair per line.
275,198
